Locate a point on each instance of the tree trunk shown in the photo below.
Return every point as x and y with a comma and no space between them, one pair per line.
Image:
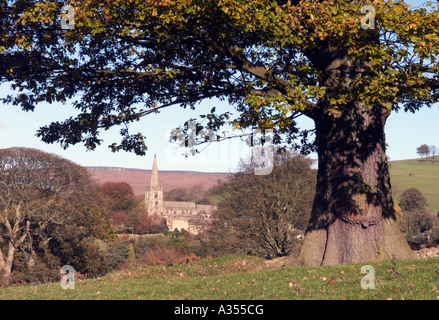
353,216
7,270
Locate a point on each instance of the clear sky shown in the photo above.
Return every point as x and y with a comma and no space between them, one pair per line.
404,131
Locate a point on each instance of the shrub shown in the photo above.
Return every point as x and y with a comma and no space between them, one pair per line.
38,273
117,254
141,247
413,199
166,256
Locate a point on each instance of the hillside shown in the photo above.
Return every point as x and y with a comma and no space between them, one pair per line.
419,174
139,179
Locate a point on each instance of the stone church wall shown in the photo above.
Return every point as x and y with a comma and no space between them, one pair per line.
179,215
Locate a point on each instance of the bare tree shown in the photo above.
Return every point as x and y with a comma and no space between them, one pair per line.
423,151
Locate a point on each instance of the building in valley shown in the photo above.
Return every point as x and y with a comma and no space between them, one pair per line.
179,216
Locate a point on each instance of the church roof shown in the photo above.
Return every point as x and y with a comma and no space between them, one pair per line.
178,205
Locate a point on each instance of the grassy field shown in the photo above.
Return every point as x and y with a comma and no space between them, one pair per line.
418,174
241,278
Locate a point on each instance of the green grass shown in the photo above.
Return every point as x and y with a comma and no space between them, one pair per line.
418,174
234,277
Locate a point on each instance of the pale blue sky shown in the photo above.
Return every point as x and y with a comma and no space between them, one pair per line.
404,131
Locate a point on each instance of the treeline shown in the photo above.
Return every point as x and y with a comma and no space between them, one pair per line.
53,214
426,151
128,214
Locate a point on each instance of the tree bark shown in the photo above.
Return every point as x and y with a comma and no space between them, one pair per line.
353,218
17,234
8,265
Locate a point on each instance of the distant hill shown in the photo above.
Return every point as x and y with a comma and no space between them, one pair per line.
139,179
419,174
404,174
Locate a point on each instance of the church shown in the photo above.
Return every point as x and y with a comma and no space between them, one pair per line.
179,216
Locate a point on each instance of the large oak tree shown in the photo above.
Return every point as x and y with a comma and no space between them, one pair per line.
345,68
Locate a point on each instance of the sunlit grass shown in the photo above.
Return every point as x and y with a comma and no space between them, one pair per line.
234,278
418,174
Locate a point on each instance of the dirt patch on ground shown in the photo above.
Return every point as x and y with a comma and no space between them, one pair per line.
426,250
276,263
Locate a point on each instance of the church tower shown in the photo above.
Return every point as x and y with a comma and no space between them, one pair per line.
154,193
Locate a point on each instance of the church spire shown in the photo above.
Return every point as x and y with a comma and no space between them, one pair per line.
154,174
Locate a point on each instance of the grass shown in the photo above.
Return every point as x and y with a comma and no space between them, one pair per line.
237,278
418,174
